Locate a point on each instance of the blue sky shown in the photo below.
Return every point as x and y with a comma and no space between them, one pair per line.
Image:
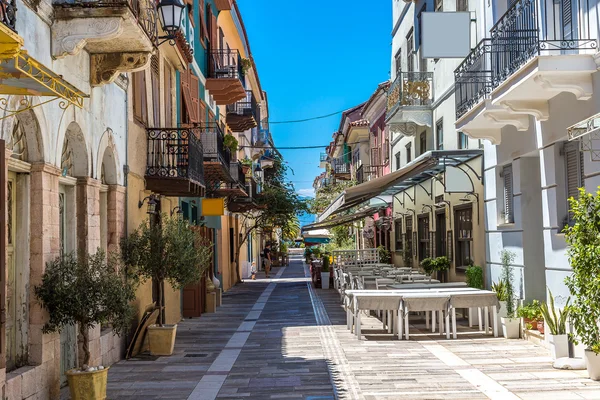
316,57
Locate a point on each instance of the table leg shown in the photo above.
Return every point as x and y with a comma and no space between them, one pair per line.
495,321
448,323
470,317
349,319
394,322
441,318
454,322
406,323
486,320
357,325
384,318
400,325
479,317
426,319
433,321
390,321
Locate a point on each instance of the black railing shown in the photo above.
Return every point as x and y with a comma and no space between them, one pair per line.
360,174
527,29
237,173
8,13
213,144
175,153
224,64
341,167
410,89
245,107
144,11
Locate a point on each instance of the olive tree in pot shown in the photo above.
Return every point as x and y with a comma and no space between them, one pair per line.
557,325
86,291
510,323
583,238
168,251
428,266
442,265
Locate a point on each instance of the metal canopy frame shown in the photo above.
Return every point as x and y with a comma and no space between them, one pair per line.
587,132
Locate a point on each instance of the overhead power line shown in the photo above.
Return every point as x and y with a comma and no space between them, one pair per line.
289,147
308,119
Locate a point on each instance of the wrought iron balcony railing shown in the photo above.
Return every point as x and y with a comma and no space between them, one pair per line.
224,64
237,174
410,89
213,144
247,107
527,29
143,10
340,166
8,13
175,153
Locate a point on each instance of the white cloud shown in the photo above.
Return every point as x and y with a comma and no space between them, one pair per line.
307,192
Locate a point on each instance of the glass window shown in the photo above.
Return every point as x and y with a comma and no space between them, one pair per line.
439,134
463,141
397,160
463,220
408,153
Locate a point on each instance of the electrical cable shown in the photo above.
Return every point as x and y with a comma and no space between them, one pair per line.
307,119
292,147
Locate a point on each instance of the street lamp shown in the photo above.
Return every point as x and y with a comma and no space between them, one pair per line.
170,14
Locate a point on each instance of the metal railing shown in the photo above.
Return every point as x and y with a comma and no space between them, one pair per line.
340,166
245,107
8,13
410,89
213,144
237,173
175,153
144,11
224,64
527,29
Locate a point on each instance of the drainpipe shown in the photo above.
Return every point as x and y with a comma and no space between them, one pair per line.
126,165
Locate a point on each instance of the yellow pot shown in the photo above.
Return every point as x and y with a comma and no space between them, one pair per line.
87,385
162,339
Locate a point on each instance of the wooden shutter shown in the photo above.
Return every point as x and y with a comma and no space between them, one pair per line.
203,30
190,106
573,171
213,30
567,19
140,103
155,80
508,194
202,116
195,98
168,95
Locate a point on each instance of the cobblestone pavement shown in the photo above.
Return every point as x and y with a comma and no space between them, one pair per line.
282,339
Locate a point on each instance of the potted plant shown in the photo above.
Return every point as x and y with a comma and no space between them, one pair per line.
530,313
407,257
385,256
474,274
428,266
500,289
307,254
86,291
246,65
325,271
246,165
583,238
556,322
442,265
166,251
231,143
510,324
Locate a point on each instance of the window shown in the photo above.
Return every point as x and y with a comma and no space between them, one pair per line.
408,153
508,194
168,77
408,239
398,234
140,101
398,60
439,134
155,79
423,229
397,160
386,151
423,142
463,141
463,221
574,173
462,5
439,5
203,30
409,52
440,233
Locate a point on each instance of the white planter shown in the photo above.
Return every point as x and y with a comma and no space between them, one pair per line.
511,327
501,313
592,361
559,345
325,280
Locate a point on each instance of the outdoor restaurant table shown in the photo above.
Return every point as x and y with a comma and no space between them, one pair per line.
449,285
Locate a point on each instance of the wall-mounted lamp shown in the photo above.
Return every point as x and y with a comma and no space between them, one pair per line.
177,210
170,14
152,203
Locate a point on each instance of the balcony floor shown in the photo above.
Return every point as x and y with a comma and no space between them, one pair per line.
174,187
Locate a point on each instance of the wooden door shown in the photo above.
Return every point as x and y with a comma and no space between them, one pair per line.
194,295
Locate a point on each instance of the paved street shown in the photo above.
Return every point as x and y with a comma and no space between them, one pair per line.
280,339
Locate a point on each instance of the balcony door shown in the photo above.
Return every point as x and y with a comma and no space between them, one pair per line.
440,234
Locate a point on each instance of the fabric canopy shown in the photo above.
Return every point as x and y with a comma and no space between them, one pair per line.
340,220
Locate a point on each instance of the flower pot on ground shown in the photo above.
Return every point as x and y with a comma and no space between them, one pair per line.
592,362
86,291
511,327
556,322
540,326
559,345
170,251
510,324
442,265
531,315
474,275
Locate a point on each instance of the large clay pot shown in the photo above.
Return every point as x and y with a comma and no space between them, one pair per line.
592,361
162,339
510,327
87,385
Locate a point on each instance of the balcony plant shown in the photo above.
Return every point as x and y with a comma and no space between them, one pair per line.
583,238
556,321
474,274
510,324
166,251
246,65
246,165
86,292
231,143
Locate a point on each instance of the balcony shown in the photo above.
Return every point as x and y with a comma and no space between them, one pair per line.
409,102
243,114
223,5
217,157
120,35
532,55
249,202
340,169
323,160
174,165
224,81
237,186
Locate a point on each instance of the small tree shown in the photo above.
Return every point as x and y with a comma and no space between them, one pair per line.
170,251
584,252
508,257
85,292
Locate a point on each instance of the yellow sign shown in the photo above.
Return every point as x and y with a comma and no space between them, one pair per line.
213,207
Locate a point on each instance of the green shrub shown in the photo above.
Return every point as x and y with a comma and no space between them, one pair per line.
428,265
557,323
508,257
474,275
385,256
500,289
530,311
441,263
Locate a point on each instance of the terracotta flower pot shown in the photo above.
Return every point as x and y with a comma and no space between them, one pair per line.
540,326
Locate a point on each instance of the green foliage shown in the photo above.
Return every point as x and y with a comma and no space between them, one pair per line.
474,275
500,289
407,258
442,263
87,292
230,142
341,237
246,65
325,195
555,322
325,263
283,248
583,239
384,255
290,230
530,311
170,251
508,257
247,162
428,265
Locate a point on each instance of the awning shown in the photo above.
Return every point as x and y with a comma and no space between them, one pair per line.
23,75
419,170
340,220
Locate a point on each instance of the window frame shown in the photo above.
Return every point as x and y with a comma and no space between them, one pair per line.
424,236
410,49
463,141
398,238
462,241
580,165
439,134
423,142
462,5
398,157
409,152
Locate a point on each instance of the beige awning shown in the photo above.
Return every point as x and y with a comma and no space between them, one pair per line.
340,220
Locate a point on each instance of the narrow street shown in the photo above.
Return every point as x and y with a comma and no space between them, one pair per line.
281,339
